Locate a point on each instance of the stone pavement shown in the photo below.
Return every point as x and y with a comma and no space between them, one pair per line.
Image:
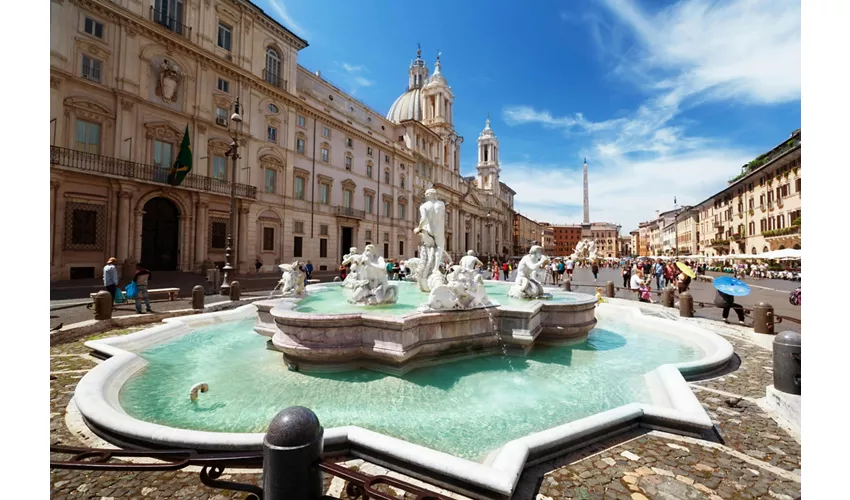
758,459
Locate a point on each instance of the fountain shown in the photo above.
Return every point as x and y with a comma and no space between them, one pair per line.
464,288
368,278
291,284
585,250
527,285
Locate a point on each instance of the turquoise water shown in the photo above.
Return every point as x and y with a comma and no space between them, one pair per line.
332,300
465,408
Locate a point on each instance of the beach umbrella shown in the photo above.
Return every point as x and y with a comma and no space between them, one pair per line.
685,269
731,286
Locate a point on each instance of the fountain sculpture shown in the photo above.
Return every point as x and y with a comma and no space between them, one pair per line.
368,278
585,250
292,282
350,259
414,264
527,286
432,229
464,289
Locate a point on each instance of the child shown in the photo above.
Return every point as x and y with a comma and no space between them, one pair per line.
599,299
645,293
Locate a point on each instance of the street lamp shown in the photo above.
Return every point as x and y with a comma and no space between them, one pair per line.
233,153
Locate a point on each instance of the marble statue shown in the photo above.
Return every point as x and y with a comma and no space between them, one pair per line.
527,286
432,230
370,284
350,259
585,250
414,264
464,288
292,282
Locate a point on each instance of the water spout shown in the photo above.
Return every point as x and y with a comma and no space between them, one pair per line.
193,392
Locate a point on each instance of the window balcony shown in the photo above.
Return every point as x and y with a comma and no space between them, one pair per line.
274,79
115,167
351,213
792,232
162,18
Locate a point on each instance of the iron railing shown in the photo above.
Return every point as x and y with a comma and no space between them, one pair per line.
91,72
351,212
162,18
274,79
89,162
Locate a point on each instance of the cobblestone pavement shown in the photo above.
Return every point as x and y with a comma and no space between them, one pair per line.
757,460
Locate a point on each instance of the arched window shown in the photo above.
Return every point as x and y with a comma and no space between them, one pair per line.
272,71
754,251
401,183
765,249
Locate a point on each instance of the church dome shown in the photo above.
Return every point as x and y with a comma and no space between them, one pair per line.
406,107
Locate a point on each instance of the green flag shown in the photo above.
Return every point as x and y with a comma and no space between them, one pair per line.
183,163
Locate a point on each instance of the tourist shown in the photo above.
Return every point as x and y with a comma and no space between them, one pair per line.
647,268
506,269
396,270
627,276
658,271
110,278
669,274
599,299
594,268
389,269
645,293
553,272
570,267
141,280
637,280
258,265
683,282
561,269
309,269
495,268
727,302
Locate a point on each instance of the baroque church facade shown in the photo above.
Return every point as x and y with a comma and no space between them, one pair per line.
316,171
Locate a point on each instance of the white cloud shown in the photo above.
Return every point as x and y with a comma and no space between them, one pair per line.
693,52
286,19
353,74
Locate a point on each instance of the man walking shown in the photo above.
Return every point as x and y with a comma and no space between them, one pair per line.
141,279
110,278
658,271
570,266
309,269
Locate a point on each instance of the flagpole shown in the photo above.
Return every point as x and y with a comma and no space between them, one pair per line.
234,155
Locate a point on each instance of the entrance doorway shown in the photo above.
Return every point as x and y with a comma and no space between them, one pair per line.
159,235
347,241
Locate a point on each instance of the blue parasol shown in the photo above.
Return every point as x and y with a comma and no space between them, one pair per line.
731,286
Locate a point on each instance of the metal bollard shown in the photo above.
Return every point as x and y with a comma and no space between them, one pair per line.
567,285
763,318
686,305
786,362
292,449
609,289
198,297
235,290
667,297
103,305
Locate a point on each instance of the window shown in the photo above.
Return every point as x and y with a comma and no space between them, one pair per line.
271,134
271,180
302,122
401,211
387,158
298,227
162,153
368,235
169,13
273,108
386,237
797,185
88,137
296,246
224,36
221,116
323,247
369,170
386,176
401,248
324,194
218,238
299,188
272,67
346,198
299,145
92,27
91,68
369,150
368,203
326,132
223,85
387,212
348,162
401,183
219,168
325,155
323,230
268,239
780,221
349,142
83,227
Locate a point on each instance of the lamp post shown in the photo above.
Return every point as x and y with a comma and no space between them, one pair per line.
233,153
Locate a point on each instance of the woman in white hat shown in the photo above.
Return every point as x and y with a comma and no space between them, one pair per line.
110,277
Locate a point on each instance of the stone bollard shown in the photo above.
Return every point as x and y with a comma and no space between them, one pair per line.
667,297
198,297
235,290
609,289
567,285
103,305
292,449
763,318
686,305
786,362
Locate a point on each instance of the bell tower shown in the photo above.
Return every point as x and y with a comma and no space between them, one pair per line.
488,159
418,72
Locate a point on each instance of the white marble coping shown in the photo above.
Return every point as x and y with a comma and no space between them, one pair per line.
96,397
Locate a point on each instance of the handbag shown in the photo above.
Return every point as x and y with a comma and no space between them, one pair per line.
131,290
118,298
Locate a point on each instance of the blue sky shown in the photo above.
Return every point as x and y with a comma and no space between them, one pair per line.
665,99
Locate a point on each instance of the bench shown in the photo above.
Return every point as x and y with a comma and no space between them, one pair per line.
172,293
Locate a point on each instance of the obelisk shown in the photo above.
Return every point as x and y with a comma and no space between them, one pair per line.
586,198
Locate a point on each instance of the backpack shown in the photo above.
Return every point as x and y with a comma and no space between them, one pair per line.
505,266
794,297
560,267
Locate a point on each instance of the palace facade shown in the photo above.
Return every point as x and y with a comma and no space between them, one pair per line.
315,170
